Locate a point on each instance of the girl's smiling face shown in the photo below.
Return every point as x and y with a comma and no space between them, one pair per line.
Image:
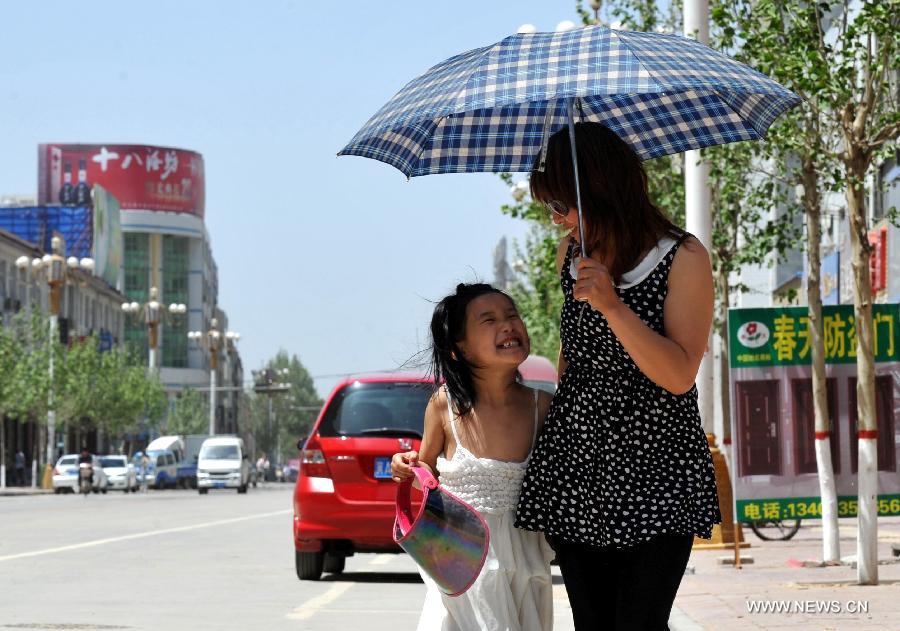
495,334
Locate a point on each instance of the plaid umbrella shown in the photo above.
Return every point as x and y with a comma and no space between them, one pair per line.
493,108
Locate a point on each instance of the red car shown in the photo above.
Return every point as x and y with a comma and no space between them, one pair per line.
344,497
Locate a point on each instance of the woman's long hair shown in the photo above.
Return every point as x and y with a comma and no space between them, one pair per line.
618,214
448,328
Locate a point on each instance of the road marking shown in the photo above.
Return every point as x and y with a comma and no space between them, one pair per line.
314,605
382,559
140,535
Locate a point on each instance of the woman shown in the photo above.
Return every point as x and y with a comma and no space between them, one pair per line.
621,479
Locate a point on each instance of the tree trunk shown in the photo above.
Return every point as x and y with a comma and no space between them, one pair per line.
831,545
867,532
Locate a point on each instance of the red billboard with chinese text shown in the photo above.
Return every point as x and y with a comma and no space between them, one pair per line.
141,177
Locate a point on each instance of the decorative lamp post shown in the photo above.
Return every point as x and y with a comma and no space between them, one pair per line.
212,342
55,269
595,5
153,313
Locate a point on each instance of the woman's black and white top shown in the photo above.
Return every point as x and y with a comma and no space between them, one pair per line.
620,459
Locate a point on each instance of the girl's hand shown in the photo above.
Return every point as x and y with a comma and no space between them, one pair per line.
402,463
594,285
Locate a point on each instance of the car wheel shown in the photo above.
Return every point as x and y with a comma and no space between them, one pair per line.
334,564
242,489
103,491
309,565
203,491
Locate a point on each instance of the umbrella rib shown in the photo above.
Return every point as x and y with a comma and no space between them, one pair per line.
627,47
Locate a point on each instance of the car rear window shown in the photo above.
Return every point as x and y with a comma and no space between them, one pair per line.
107,463
68,460
377,409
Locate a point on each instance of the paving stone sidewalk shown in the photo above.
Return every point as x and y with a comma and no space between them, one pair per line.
787,574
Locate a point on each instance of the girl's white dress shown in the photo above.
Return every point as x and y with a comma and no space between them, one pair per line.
514,591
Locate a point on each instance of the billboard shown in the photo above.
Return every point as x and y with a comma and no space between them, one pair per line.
141,177
108,242
772,417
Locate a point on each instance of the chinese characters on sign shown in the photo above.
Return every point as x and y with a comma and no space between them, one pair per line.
140,177
789,341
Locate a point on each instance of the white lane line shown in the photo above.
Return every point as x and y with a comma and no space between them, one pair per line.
140,535
312,606
382,559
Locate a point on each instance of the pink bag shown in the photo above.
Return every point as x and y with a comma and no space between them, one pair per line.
447,537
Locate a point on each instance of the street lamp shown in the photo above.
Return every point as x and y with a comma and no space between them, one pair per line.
595,5
153,313
519,190
212,342
269,381
55,269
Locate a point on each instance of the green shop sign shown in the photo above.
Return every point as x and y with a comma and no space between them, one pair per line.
780,336
808,508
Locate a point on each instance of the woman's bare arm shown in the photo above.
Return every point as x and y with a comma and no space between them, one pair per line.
672,360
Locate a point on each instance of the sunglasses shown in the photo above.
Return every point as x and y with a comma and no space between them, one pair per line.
557,207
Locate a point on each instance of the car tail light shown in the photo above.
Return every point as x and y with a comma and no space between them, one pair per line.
56,471
312,460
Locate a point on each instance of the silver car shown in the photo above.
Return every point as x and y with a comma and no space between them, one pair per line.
120,472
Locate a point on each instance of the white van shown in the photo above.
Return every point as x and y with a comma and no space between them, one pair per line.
223,464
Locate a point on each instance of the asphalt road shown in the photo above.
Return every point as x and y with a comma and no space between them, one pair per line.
173,560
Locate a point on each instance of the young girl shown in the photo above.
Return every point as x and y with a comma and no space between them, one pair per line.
480,429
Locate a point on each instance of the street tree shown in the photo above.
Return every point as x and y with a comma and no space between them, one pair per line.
838,56
280,418
190,414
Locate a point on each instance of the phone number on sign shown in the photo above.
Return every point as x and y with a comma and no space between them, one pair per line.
809,508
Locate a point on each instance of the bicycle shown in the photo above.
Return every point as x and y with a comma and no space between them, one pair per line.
774,529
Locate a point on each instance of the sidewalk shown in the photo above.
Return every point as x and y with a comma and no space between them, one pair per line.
718,596
17,491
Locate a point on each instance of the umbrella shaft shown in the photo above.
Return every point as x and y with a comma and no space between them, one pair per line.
570,111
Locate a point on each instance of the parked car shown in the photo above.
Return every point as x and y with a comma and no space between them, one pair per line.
65,475
344,497
120,472
223,463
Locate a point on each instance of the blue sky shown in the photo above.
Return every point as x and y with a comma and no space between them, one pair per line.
336,260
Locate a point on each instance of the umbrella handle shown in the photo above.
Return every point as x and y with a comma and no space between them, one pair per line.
570,115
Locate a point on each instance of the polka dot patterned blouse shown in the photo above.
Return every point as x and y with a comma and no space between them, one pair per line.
620,459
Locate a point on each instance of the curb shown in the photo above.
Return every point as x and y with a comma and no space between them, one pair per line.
679,621
9,493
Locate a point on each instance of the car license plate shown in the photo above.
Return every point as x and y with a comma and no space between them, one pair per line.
219,485
382,467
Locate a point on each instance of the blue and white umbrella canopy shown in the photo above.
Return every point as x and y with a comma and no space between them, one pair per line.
493,108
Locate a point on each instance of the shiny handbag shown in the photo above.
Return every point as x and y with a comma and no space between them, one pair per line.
446,536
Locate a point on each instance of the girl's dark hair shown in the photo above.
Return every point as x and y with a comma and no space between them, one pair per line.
448,328
618,214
